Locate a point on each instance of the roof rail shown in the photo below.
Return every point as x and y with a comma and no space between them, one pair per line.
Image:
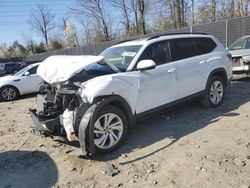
167,34
127,40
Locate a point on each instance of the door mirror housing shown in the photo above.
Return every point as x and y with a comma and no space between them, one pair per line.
27,73
146,64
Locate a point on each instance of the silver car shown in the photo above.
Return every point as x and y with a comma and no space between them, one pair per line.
240,51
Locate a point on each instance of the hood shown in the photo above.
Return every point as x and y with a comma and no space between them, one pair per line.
239,53
57,69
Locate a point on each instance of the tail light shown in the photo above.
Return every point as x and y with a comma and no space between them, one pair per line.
229,56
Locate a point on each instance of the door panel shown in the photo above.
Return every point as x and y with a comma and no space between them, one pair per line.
157,87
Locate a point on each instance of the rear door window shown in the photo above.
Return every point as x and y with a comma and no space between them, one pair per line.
190,47
183,48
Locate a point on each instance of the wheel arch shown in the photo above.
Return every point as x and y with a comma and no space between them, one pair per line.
218,72
9,85
117,101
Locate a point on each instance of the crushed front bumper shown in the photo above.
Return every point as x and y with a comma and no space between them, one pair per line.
46,127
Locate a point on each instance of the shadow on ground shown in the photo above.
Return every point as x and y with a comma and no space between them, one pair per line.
27,169
179,122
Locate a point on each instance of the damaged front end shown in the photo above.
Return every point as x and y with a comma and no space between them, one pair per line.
59,112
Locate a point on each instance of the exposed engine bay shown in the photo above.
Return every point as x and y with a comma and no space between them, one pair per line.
56,105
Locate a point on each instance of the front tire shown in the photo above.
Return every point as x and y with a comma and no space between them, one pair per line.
214,92
110,128
9,93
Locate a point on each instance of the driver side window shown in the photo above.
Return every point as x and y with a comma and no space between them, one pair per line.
158,52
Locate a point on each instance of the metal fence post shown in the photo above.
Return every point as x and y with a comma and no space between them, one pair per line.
226,33
94,49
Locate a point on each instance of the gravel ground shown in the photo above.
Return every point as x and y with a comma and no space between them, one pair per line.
189,146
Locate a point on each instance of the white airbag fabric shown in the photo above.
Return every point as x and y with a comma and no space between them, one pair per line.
56,69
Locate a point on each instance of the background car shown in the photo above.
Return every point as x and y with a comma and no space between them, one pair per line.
240,51
8,68
23,82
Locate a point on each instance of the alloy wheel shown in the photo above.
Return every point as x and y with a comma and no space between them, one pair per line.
216,92
108,130
8,94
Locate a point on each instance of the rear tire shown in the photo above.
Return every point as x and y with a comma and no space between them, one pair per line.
9,93
214,92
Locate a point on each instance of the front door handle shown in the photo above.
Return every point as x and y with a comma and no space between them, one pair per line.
203,61
172,70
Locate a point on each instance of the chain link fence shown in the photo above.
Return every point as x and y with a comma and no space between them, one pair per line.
226,32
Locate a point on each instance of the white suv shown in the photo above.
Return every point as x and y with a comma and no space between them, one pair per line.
96,98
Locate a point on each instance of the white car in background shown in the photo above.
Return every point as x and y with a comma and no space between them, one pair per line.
23,82
240,51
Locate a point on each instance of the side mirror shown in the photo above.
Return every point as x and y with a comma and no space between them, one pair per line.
27,73
146,65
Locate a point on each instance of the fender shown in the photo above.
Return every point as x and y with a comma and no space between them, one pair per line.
83,126
87,114
218,71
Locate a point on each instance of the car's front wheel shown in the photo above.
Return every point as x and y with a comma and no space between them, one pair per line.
214,93
110,128
8,93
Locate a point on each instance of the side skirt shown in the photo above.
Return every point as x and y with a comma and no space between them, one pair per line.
168,106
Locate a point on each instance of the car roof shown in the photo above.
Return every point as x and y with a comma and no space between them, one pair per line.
157,38
10,63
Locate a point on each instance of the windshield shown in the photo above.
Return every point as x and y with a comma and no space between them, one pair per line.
242,43
1,66
22,71
121,57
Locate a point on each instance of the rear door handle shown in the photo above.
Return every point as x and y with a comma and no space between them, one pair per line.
203,61
172,70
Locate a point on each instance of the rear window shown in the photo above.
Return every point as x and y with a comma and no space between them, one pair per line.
189,47
205,45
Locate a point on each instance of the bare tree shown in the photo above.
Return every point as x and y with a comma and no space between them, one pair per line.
41,20
214,6
192,11
94,9
240,8
232,8
142,4
124,7
246,4
134,9
69,34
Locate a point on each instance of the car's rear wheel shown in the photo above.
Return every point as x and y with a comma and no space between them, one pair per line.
110,128
8,93
214,93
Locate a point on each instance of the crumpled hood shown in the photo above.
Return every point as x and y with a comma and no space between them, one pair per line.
238,53
60,68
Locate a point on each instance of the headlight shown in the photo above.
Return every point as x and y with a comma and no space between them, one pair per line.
246,58
83,96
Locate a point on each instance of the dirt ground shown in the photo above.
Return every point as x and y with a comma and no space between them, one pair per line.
189,146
